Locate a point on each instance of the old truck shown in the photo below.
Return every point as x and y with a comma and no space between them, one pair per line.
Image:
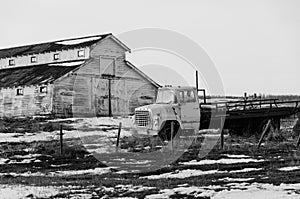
179,108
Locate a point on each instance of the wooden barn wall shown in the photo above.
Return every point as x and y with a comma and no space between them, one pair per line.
107,47
31,103
63,96
86,91
44,58
140,93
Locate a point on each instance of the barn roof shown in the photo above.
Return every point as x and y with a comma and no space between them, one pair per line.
142,74
47,73
34,75
59,45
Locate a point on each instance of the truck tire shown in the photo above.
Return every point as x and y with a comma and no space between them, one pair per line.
165,132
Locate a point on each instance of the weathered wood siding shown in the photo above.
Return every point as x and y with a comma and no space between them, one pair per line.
32,102
86,91
63,95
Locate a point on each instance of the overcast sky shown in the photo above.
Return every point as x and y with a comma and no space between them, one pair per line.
255,44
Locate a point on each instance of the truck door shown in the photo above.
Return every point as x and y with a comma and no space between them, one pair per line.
190,111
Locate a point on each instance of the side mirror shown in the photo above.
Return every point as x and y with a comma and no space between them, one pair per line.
175,99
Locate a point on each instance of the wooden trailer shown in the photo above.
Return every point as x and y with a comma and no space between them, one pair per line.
248,116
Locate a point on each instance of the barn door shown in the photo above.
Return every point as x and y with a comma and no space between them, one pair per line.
100,97
110,97
119,101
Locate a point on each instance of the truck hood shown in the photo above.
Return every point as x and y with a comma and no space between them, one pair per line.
161,109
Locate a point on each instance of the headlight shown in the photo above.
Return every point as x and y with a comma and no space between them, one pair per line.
133,119
155,120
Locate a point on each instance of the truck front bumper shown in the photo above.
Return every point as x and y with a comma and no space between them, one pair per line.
144,132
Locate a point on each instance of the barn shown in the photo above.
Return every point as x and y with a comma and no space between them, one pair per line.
87,76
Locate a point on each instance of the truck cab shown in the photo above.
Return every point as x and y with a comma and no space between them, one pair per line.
175,107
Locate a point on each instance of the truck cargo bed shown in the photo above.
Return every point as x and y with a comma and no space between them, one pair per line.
247,114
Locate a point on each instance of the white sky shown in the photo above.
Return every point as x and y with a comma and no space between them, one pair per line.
254,44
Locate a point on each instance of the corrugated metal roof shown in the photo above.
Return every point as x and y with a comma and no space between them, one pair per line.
52,46
34,75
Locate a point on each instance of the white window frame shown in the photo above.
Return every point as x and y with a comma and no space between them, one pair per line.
56,56
11,62
33,59
81,53
43,89
20,92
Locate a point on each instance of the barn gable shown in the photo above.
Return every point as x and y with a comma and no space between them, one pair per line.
88,92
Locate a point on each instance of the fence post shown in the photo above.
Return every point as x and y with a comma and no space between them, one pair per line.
61,140
222,124
264,133
172,133
298,141
118,138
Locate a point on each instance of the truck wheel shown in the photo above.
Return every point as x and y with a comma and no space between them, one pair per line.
165,132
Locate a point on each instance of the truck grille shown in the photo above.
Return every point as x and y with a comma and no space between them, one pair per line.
142,118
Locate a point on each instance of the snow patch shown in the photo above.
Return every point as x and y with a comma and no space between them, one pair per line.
131,188
75,63
258,191
96,171
21,191
4,160
183,174
84,127
193,172
26,174
227,179
138,162
78,41
221,161
24,161
197,192
234,191
236,156
291,168
59,165
28,156
245,170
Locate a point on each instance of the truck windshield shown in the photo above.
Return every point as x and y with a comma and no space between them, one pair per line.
166,97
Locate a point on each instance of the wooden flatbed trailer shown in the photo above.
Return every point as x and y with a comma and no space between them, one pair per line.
248,116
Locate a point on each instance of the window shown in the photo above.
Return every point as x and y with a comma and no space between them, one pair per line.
181,96
11,62
107,66
56,56
80,53
43,89
187,96
20,91
166,97
33,59
190,96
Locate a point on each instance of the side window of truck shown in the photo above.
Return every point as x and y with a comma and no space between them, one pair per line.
181,96
190,96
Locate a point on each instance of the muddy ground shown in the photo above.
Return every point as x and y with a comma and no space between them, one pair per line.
36,169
